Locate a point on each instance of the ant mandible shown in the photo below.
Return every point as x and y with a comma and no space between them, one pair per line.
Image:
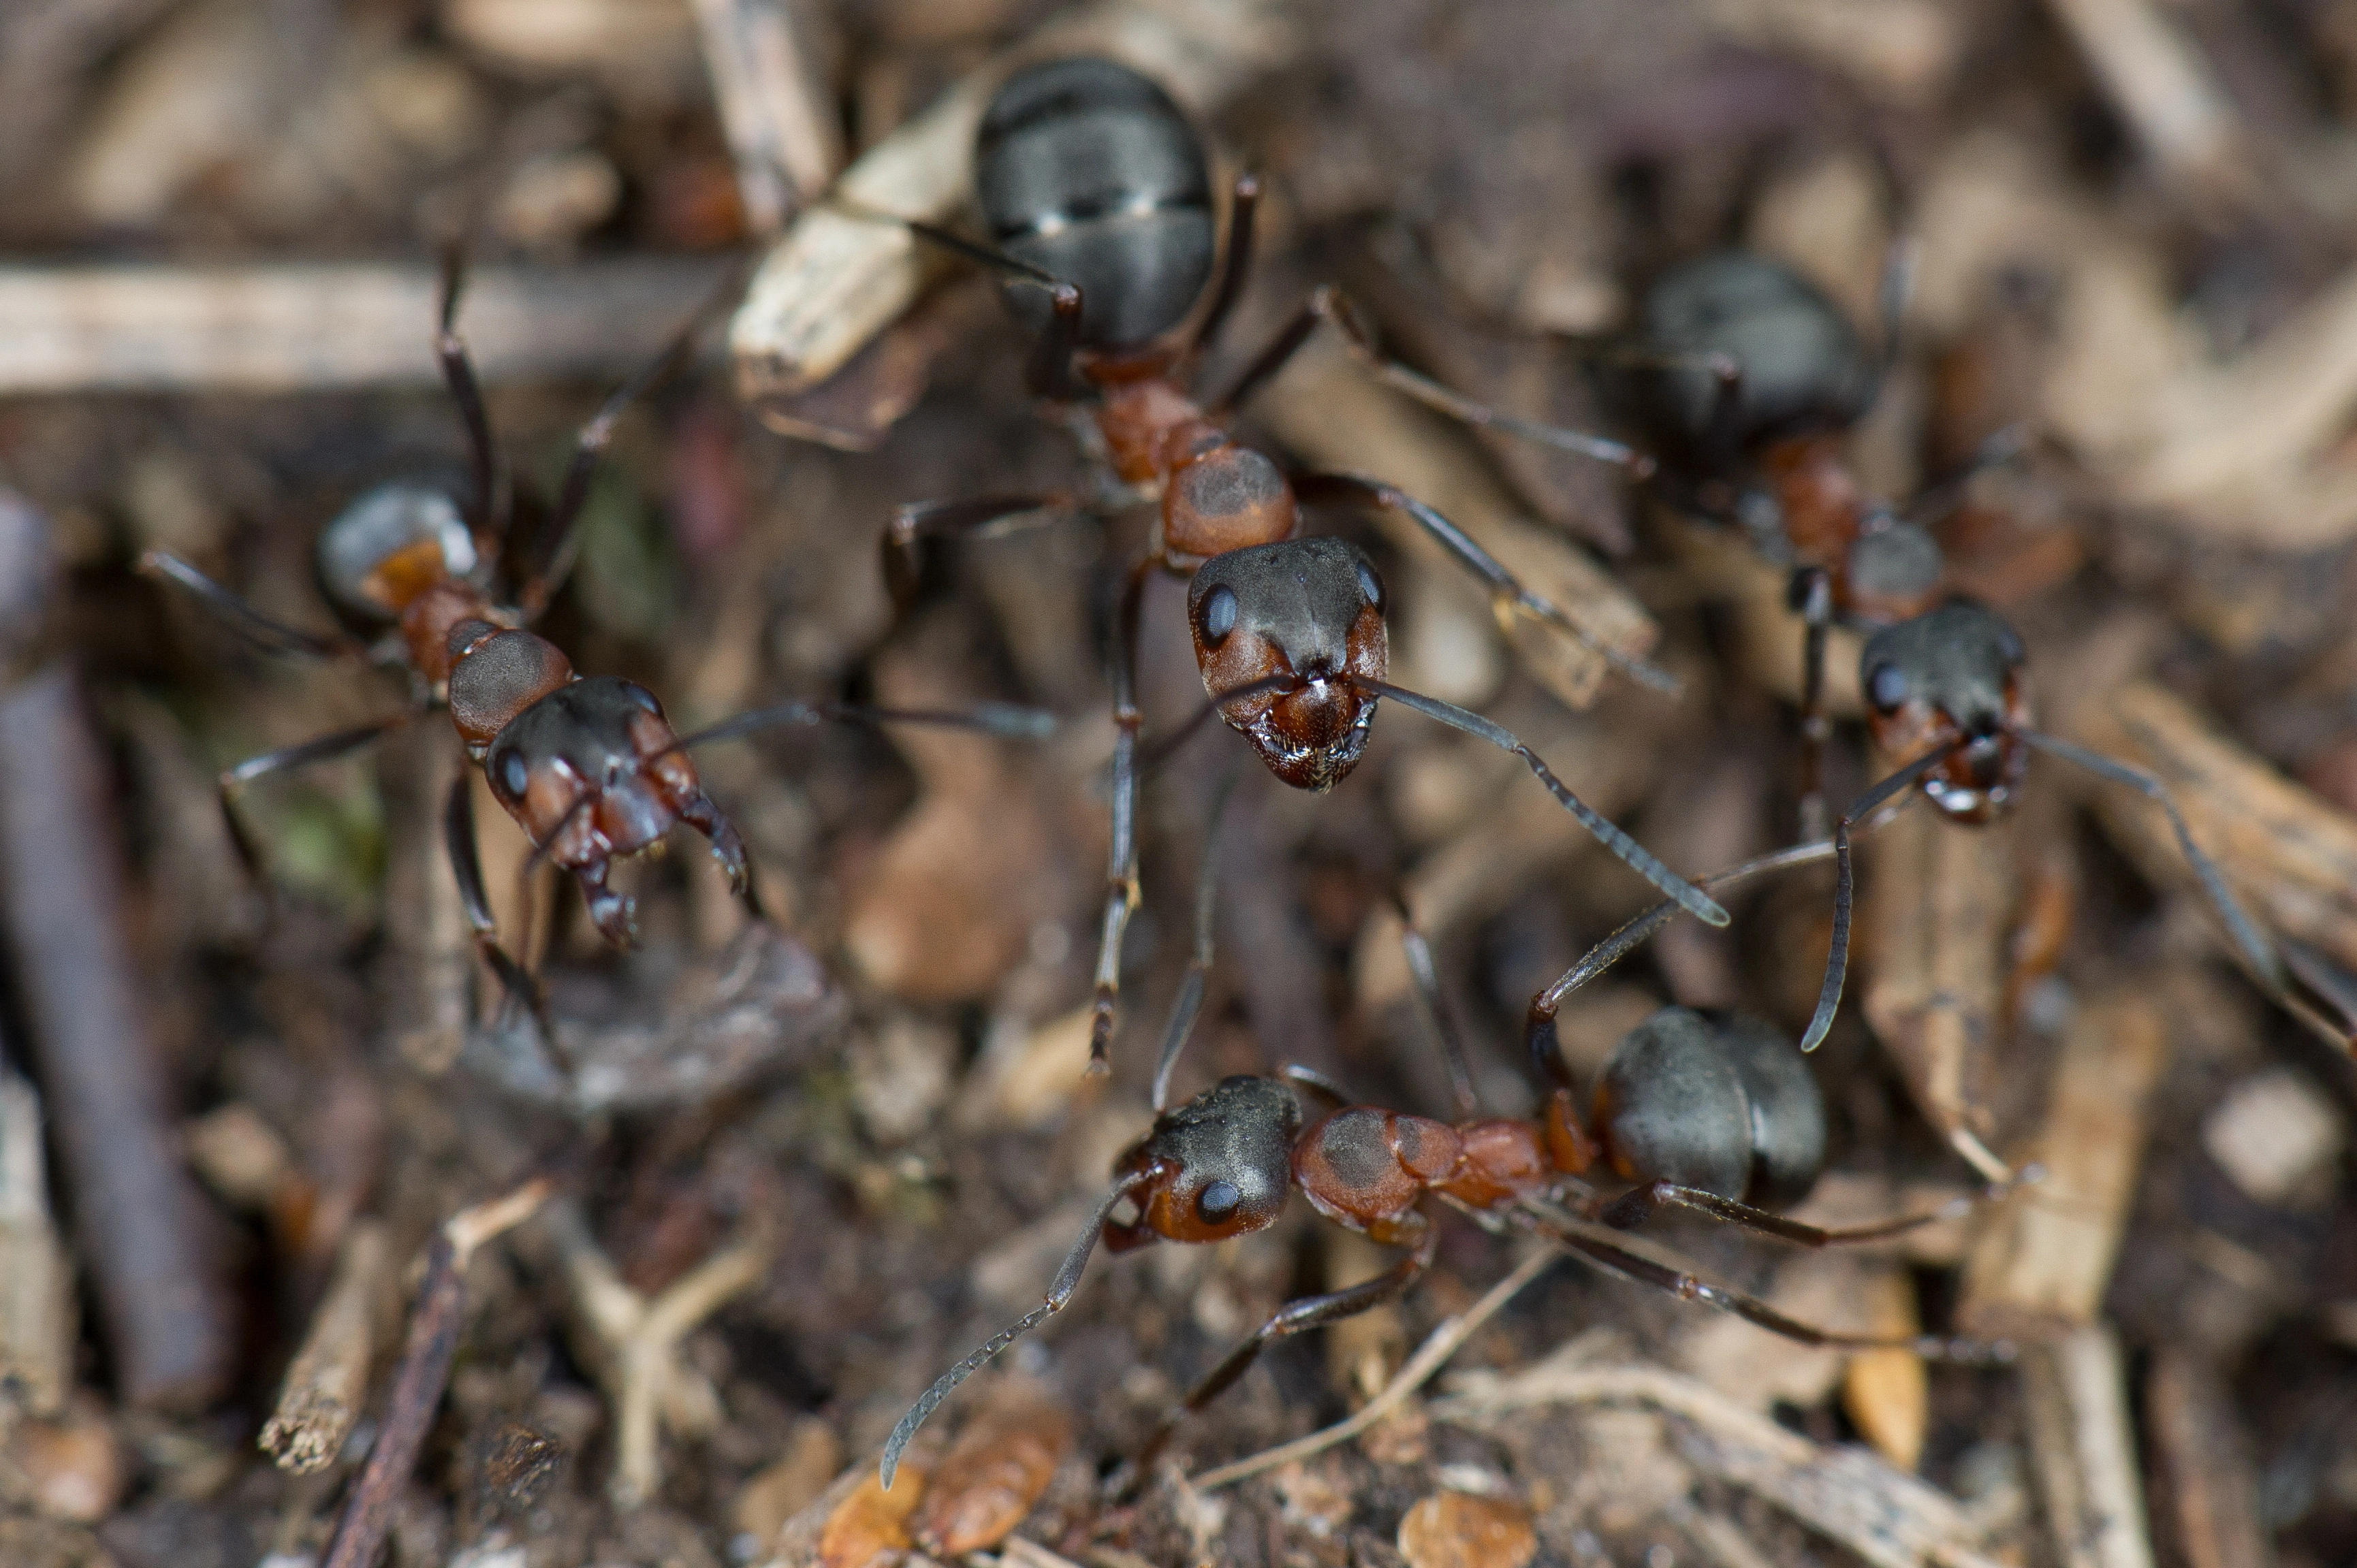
1097,193
588,766
1714,1112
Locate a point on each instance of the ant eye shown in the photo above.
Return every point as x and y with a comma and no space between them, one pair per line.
1219,616
1885,686
515,774
1371,585
646,700
1218,1202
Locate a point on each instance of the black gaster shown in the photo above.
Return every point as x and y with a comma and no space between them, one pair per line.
1240,1131
1803,366
1675,1108
1957,658
1787,1109
1088,171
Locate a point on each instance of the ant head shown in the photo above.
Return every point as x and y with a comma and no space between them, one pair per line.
389,546
1951,676
1307,610
1893,571
602,739
1718,1102
1221,1164
1804,366
1088,171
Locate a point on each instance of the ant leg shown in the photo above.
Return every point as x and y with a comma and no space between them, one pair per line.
274,635
516,984
1309,1311
1049,372
1327,304
458,373
1829,994
1507,595
1068,1280
1539,1025
1632,854
1191,989
548,558
981,516
1235,266
1121,875
324,748
1812,594
1899,264
1435,1008
1631,1265
2257,951
1631,1211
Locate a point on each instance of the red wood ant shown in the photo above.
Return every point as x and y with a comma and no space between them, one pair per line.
1750,377
1714,1112
1096,191
588,766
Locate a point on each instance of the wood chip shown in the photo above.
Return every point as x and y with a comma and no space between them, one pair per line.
328,1379
2084,1449
996,1469
1887,1518
1888,1393
2043,1261
37,1305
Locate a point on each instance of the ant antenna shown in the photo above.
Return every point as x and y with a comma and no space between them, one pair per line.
1838,960
1191,990
2257,951
1632,854
1068,1280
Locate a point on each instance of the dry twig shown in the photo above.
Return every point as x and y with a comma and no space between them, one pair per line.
36,1328
321,1396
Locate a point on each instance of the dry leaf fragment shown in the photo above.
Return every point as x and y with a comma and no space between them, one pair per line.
1458,1530
993,1475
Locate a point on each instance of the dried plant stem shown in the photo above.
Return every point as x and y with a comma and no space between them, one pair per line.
321,1397
426,1361
37,1326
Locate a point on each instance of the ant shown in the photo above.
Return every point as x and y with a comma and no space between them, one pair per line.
1710,1112
1097,194
588,766
1760,444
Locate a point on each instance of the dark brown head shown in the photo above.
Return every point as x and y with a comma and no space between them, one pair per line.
1952,678
1718,1102
1306,611
591,771
1222,1165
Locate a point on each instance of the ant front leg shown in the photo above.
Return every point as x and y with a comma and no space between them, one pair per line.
459,374
1309,1311
516,983
1121,875
325,749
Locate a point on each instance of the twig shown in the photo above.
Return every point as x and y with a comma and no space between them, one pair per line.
770,87
2085,1451
632,1341
426,1360
136,1211
1887,1518
1430,1356
2204,1474
37,1326
279,329
321,1397
2165,91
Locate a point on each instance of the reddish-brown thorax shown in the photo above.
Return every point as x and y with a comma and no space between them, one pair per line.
1217,496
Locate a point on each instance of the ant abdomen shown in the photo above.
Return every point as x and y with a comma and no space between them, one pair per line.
1802,365
1088,171
1719,1102
389,545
